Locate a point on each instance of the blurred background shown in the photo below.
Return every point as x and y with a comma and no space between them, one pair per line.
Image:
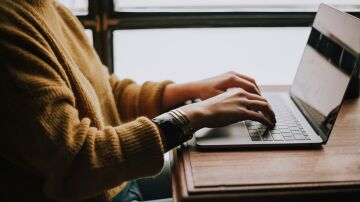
185,40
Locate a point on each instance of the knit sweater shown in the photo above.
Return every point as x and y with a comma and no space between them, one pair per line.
69,130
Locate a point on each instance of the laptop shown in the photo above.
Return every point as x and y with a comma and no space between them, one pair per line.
307,113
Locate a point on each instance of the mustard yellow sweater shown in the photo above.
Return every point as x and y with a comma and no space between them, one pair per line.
69,130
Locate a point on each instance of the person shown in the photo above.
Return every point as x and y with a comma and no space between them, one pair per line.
70,131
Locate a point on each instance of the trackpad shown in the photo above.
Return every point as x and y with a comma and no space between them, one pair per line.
223,135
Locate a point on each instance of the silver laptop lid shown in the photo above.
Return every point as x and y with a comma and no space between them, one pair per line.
330,58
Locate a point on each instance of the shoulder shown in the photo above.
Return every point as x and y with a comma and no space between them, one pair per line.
26,53
18,20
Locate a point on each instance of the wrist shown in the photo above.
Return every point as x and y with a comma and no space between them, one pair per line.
195,114
176,94
174,128
186,91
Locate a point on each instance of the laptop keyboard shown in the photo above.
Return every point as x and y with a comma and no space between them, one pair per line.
287,128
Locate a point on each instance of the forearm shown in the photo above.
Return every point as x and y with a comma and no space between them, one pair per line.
177,94
135,100
88,155
66,151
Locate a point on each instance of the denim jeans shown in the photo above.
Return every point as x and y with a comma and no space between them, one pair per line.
151,189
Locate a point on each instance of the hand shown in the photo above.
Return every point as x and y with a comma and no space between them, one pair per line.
229,107
176,94
213,86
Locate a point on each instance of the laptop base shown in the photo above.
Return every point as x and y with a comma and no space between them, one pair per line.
237,136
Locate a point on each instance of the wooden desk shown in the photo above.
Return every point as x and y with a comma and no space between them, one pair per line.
332,172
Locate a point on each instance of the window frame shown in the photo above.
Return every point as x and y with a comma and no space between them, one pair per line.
103,19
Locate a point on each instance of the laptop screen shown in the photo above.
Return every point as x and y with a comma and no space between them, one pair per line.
329,60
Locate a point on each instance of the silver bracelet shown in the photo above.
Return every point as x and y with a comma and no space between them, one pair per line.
183,121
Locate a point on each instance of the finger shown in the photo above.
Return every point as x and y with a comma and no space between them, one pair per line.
248,79
251,96
245,84
263,107
256,116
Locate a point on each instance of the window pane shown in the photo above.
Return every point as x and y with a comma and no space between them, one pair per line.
271,55
232,5
78,7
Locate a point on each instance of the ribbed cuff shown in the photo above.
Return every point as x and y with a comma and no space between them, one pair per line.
142,146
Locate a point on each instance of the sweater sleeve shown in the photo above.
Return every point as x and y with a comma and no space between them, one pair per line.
43,134
133,100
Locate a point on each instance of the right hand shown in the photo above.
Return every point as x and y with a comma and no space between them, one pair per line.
229,107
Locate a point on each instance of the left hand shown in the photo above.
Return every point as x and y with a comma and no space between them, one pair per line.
213,86
176,94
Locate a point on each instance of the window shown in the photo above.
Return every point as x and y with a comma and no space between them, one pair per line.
260,39
232,5
78,7
270,55
165,39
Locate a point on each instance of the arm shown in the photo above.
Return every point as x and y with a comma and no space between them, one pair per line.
227,98
177,94
146,100
44,134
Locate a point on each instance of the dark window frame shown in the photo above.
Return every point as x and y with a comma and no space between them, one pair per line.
103,20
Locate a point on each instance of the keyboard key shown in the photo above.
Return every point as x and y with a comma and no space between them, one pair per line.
294,128
288,138
276,128
296,132
277,137
275,132
307,137
287,126
262,127
285,130
252,127
267,137
258,133
254,134
286,134
255,138
299,137
262,131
